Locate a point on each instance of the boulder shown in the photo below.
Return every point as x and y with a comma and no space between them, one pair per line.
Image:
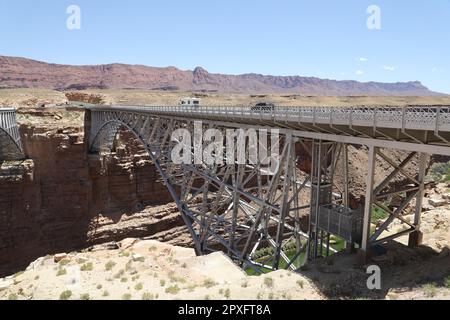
36,264
437,202
138,257
60,256
5,284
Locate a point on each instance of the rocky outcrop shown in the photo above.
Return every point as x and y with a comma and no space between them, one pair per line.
66,199
25,73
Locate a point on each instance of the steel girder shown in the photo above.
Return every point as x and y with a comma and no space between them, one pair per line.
10,144
379,196
231,207
253,217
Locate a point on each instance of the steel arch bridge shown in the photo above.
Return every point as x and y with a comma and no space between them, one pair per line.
258,219
10,144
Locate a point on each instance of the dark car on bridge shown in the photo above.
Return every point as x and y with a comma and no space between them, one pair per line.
263,107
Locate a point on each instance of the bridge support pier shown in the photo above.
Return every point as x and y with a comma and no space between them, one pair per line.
416,237
368,206
392,202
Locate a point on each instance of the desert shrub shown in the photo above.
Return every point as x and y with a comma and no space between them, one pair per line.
268,282
447,282
64,262
85,296
148,296
61,272
379,214
173,289
119,274
126,296
13,296
440,172
209,283
139,286
430,290
89,266
110,265
65,295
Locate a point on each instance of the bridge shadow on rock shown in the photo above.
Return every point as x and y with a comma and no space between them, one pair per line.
403,269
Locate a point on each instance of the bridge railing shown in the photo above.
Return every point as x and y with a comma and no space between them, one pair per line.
9,125
436,118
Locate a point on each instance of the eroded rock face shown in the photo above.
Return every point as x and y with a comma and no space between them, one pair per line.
64,199
20,72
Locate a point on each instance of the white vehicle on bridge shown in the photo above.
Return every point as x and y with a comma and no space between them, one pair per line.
191,102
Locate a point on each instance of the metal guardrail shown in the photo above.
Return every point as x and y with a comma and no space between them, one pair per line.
431,118
8,124
340,221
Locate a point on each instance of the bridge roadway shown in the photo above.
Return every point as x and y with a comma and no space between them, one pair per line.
10,144
412,128
258,220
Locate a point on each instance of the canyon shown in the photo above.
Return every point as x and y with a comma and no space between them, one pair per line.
65,198
74,222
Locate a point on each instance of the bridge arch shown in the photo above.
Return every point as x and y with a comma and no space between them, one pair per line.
218,204
103,139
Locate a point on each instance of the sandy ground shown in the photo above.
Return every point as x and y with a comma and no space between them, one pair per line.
146,269
31,97
150,270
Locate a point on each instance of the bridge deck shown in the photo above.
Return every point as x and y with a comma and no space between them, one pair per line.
434,118
423,125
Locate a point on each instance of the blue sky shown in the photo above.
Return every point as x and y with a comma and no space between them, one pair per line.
323,38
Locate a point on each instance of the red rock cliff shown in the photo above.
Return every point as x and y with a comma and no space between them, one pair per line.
65,199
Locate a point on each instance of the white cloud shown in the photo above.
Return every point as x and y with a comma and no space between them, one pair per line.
389,68
362,59
359,72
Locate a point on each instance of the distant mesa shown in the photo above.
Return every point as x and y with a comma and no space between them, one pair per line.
26,73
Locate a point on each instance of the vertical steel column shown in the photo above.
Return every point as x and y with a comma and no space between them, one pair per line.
345,172
289,165
369,201
415,238
321,194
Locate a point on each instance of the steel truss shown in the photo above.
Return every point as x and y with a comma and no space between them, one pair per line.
10,144
254,217
379,195
236,208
